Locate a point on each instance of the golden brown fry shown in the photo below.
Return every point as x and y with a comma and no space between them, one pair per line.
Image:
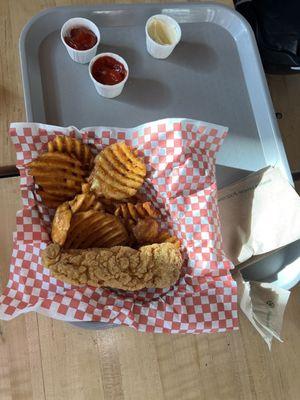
62,161
111,205
66,144
112,157
165,237
134,212
154,266
95,229
114,186
65,212
118,172
58,175
77,202
50,200
61,224
84,202
124,154
85,187
146,230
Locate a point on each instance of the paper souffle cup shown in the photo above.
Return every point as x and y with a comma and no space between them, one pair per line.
109,91
155,49
80,56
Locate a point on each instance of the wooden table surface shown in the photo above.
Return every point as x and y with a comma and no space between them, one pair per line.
45,359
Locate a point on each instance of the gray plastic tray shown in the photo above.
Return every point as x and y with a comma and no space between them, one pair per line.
214,74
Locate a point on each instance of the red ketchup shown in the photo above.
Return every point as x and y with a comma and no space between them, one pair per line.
81,38
108,71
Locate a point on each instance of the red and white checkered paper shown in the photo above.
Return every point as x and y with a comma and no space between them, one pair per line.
180,159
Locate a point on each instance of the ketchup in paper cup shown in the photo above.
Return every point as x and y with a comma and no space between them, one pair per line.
81,38
109,73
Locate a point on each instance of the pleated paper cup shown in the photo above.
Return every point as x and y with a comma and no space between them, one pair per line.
109,91
158,50
80,56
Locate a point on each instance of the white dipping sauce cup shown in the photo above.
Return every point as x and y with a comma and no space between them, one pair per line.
109,91
158,50
80,56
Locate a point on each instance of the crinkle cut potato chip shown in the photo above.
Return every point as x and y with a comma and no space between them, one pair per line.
61,223
133,212
165,237
118,172
58,175
72,146
141,221
111,205
92,228
50,200
84,202
64,213
146,230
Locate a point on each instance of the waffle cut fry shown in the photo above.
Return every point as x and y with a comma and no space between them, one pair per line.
165,237
131,213
92,228
111,205
84,202
58,175
61,223
146,231
72,146
65,211
118,172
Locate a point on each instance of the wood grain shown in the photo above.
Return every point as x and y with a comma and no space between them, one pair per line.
45,359
20,357
285,95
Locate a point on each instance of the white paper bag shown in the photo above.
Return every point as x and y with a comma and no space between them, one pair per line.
258,214
264,305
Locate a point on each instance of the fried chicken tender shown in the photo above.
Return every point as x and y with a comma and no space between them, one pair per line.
153,266
118,172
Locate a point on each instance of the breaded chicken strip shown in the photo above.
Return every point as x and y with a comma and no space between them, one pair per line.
153,266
